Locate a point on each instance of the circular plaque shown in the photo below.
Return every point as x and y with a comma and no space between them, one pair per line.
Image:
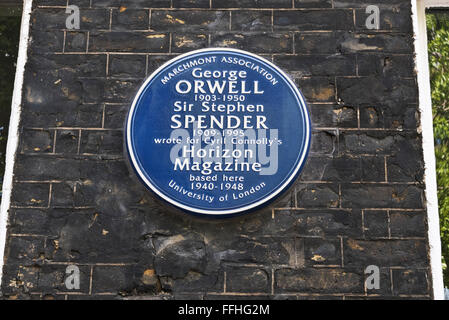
218,132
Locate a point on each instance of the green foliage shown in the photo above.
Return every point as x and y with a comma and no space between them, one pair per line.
9,41
438,46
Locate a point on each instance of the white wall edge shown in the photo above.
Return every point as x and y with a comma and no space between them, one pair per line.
13,137
425,108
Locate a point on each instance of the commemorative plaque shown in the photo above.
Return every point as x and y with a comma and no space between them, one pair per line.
218,132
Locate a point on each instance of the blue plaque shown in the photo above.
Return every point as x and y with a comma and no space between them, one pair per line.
218,132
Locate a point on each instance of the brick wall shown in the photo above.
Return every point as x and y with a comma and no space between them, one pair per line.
359,201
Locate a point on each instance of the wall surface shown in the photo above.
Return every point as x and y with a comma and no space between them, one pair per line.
359,201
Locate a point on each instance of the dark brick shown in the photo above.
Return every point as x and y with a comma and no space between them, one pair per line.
410,282
251,4
132,4
114,117
324,142
101,142
191,3
324,115
244,20
127,66
317,89
313,3
119,91
110,279
394,65
378,196
67,141
376,223
398,20
317,195
255,42
37,141
51,279
313,20
25,250
397,43
45,168
75,41
318,65
332,169
30,194
318,280
184,21
373,169
90,19
130,19
248,280
192,283
322,252
385,253
258,250
408,224
128,42
320,223
62,194
46,41
187,42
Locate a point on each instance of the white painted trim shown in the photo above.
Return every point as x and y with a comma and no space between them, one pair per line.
13,137
425,108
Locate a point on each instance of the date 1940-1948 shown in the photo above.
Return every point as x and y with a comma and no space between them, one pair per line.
225,309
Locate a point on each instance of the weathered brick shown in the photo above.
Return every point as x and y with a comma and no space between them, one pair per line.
248,280
408,224
410,282
397,19
318,65
320,223
324,115
313,3
47,41
30,194
130,19
313,20
114,117
317,195
378,196
112,279
255,42
181,20
186,42
322,251
244,20
385,253
67,141
101,142
191,3
321,168
317,89
318,280
90,19
75,41
127,66
132,4
37,141
376,223
373,168
62,194
376,64
128,42
251,4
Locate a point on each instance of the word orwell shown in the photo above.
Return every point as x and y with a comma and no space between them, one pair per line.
218,83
